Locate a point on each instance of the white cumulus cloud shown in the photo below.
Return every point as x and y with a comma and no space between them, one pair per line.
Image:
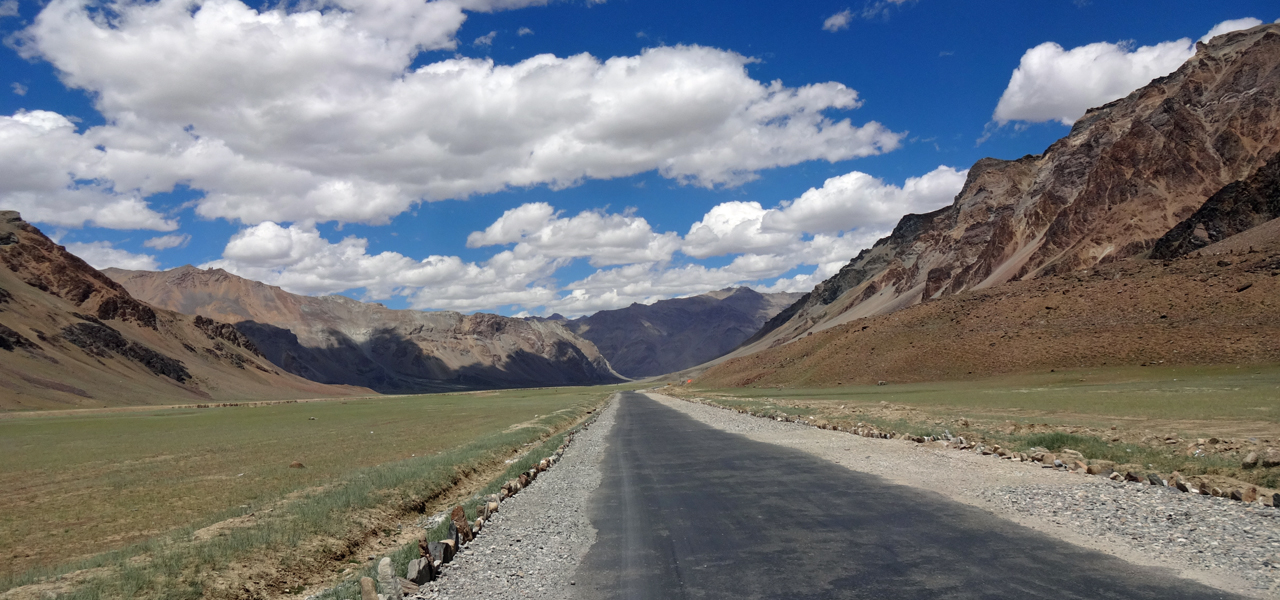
605,239
316,115
51,174
102,255
1055,84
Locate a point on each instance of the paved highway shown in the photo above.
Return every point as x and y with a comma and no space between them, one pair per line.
688,511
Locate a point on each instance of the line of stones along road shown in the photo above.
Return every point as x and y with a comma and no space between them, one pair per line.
438,554
1065,459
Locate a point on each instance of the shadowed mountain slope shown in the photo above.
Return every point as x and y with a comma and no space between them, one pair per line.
1125,175
70,337
643,340
334,339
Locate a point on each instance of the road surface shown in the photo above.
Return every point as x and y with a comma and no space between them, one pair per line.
685,510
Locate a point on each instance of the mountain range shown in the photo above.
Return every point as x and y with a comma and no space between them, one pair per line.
644,340
335,339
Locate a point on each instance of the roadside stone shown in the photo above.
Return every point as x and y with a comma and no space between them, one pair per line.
1131,476
367,589
421,570
1115,476
1237,495
1048,458
387,581
1078,465
1216,492
407,588
1249,495
1269,459
1250,461
447,549
1155,480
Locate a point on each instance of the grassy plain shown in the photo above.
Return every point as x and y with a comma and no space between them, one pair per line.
1239,395
102,489
1127,415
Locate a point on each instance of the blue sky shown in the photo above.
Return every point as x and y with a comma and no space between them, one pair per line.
531,157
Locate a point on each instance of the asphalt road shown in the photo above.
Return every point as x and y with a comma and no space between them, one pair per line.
688,511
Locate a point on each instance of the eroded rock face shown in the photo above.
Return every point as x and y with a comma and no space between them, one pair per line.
334,339
46,266
1127,173
1240,206
103,341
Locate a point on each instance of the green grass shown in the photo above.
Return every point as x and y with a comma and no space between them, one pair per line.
1223,392
130,489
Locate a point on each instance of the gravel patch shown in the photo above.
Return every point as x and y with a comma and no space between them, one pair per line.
1215,541
532,546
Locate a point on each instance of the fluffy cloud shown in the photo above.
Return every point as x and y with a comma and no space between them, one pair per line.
838,21
53,175
854,201
102,255
1229,26
166,242
312,114
732,227
606,239
1055,84
825,227
297,258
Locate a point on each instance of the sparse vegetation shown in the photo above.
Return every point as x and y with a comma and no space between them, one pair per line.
149,473
1141,417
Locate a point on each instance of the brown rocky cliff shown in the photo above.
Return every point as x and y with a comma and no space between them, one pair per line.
1127,172
46,266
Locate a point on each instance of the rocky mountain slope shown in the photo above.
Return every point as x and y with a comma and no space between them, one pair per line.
334,339
1215,306
1236,208
71,337
669,335
1124,176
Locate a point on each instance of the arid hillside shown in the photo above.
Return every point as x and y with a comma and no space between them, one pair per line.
334,339
70,337
1127,173
1220,305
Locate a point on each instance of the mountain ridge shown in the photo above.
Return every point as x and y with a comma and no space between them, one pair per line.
335,339
72,337
1127,173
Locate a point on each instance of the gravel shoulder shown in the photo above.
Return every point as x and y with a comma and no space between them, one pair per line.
533,545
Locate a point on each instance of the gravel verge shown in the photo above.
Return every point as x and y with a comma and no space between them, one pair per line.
1215,541
531,547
